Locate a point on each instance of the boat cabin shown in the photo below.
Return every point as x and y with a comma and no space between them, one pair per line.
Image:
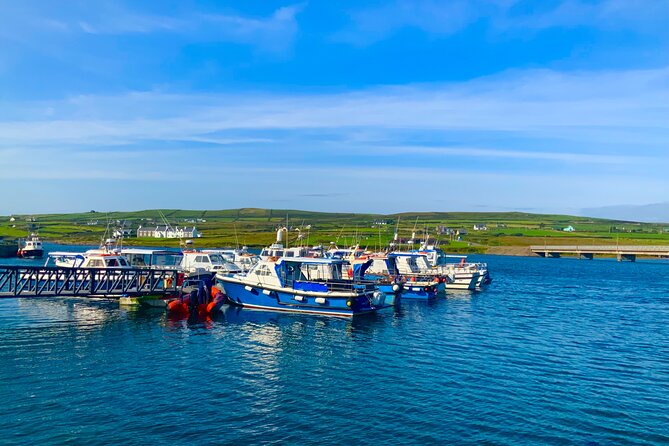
153,258
197,261
240,257
87,260
296,272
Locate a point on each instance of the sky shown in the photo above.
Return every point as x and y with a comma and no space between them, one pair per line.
389,106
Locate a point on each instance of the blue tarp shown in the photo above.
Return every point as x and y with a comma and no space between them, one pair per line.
310,286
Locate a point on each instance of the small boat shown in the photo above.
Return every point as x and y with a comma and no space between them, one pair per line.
301,284
413,285
243,259
198,297
277,249
466,270
156,301
152,258
31,247
206,263
462,272
93,258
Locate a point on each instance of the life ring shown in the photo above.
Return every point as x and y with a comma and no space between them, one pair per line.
350,273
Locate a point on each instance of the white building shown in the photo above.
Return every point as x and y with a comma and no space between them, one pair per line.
164,231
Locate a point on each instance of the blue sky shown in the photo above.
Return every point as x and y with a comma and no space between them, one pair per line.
365,106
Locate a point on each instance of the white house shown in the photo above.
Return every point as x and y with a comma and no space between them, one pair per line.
480,227
120,233
569,229
164,231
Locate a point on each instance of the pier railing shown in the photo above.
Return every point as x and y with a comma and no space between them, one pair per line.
32,281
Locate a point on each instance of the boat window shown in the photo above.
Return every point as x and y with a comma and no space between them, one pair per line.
216,258
122,262
263,270
200,259
289,254
95,263
112,262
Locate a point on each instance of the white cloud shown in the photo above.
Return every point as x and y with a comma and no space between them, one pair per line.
32,25
549,140
581,108
443,18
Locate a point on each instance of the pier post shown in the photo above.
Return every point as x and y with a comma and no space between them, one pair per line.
628,257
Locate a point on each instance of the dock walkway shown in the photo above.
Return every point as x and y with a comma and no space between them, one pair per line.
35,281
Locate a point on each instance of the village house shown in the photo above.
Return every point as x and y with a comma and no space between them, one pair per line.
164,231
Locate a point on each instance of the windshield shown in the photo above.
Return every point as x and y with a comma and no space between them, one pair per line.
216,258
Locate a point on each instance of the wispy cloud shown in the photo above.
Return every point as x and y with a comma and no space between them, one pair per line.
568,138
275,32
439,18
579,107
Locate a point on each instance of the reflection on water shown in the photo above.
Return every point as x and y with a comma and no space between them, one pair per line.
556,351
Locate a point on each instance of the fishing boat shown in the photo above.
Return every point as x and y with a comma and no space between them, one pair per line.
301,284
465,270
206,263
414,285
278,249
153,258
461,271
93,258
243,259
31,247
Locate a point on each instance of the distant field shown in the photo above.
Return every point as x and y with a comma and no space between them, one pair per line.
256,228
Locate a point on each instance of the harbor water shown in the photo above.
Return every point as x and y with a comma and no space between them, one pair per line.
554,352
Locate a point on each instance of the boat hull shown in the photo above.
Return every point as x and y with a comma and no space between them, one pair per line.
420,291
30,253
143,301
293,301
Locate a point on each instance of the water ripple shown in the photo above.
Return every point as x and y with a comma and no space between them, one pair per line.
556,351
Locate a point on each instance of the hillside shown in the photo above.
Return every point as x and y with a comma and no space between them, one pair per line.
256,227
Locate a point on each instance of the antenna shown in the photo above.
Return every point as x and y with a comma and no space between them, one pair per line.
234,225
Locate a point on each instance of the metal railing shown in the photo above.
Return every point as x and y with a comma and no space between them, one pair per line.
27,281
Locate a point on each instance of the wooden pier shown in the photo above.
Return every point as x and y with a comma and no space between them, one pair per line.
35,281
621,252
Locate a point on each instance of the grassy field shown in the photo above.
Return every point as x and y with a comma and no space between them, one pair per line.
256,228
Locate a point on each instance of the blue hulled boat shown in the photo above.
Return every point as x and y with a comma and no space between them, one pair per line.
301,284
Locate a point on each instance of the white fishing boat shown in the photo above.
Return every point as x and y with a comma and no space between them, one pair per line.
153,258
93,258
31,247
201,262
461,270
277,249
240,257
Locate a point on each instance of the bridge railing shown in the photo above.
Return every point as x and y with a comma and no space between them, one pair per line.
602,248
26,281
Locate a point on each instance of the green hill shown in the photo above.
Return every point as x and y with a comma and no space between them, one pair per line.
256,227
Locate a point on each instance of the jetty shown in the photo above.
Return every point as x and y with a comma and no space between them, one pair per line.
42,281
621,252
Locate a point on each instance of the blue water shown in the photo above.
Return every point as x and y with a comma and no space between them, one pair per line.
556,351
